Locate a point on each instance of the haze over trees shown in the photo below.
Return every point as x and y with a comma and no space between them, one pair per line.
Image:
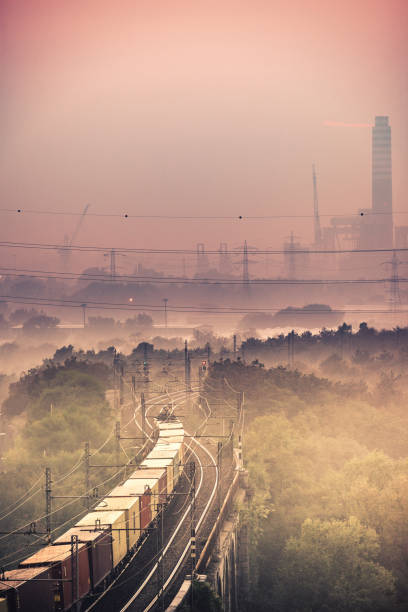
328,473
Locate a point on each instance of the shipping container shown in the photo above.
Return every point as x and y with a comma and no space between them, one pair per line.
100,556
160,453
164,443
131,506
59,558
30,589
148,486
144,493
160,474
114,520
171,433
167,443
162,463
170,425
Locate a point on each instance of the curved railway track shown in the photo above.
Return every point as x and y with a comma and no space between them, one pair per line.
136,588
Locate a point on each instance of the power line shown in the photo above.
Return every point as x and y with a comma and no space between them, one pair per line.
193,309
98,249
126,215
129,278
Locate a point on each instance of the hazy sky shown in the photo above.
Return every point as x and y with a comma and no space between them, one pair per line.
152,107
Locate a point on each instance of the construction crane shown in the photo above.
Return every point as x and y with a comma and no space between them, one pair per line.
65,251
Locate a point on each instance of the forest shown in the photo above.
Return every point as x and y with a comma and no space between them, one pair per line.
52,411
328,472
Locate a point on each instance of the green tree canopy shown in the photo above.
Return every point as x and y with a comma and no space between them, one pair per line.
332,565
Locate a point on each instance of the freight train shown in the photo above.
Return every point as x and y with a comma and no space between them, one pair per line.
54,579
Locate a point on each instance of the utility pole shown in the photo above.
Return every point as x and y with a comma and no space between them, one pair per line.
83,306
87,473
291,348
240,401
192,529
143,409
231,449
113,264
187,367
116,362
235,345
146,367
245,269
121,384
395,298
317,229
117,441
208,346
165,300
75,573
48,491
134,392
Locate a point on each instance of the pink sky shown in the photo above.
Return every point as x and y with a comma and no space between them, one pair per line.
215,108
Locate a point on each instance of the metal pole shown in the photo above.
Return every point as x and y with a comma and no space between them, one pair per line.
235,344
187,367
240,401
87,479
143,408
193,535
117,438
84,314
121,387
165,300
75,572
48,491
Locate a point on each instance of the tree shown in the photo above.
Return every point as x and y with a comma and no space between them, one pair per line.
40,321
332,566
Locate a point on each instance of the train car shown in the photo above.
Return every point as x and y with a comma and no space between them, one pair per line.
115,521
30,589
165,453
149,488
176,446
159,474
131,506
162,463
171,435
99,546
170,425
59,559
145,499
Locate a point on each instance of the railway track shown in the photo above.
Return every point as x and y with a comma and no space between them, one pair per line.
137,586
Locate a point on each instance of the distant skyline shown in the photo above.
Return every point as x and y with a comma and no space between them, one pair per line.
204,108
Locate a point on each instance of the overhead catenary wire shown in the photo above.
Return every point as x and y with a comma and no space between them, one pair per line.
21,501
72,501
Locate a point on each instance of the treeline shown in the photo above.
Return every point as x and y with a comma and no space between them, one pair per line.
365,347
328,472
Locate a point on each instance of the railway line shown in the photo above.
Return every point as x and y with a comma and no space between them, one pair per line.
170,498
143,584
